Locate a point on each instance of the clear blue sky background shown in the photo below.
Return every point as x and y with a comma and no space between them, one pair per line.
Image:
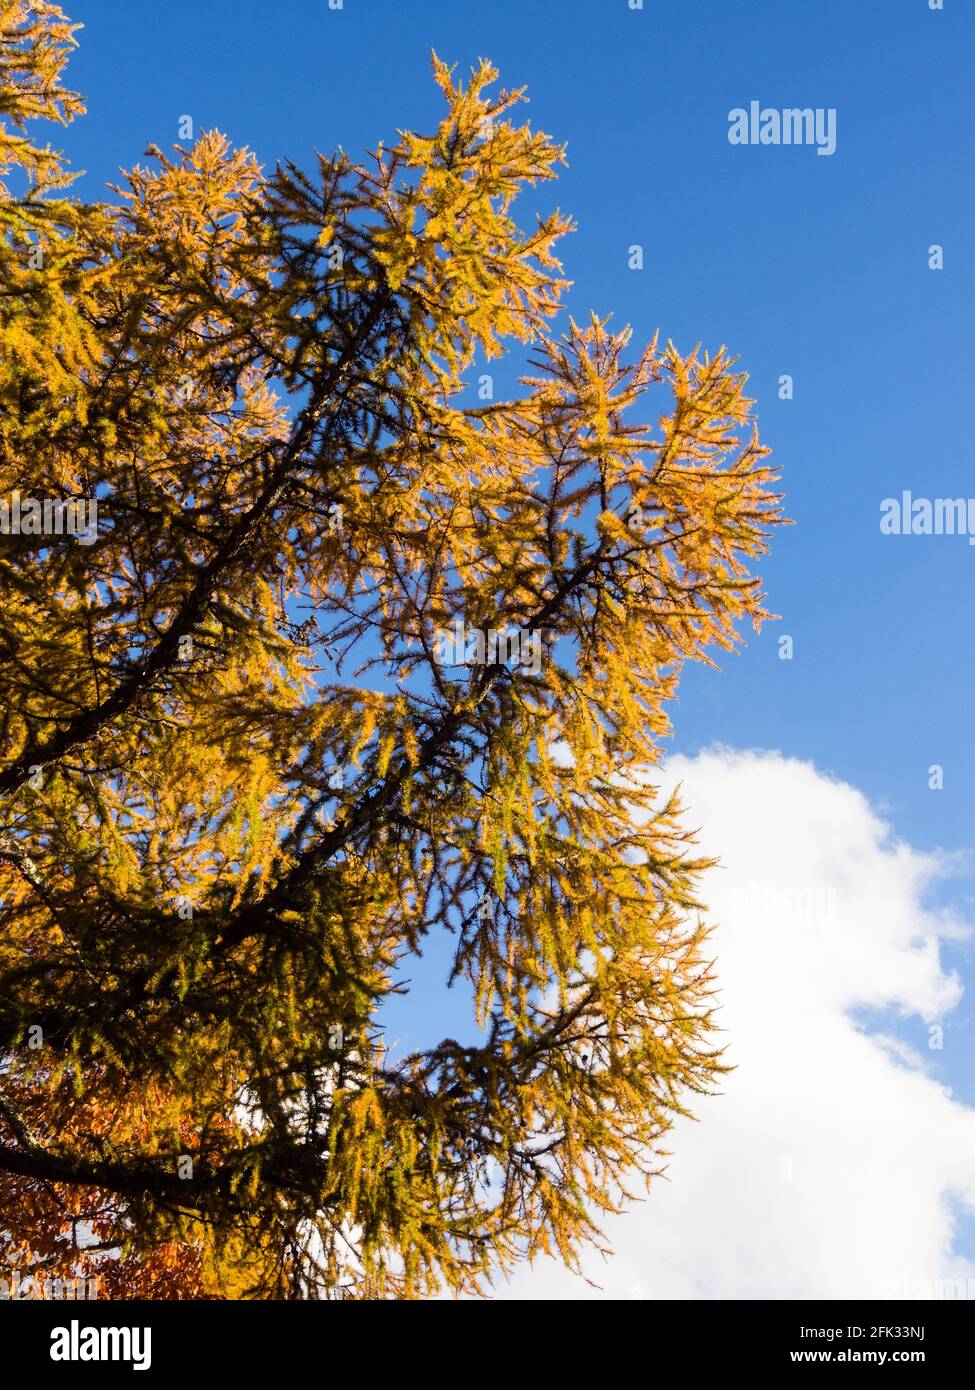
812,266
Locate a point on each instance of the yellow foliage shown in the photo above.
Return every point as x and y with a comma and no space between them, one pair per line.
242,786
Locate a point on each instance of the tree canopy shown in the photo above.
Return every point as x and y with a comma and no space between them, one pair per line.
241,784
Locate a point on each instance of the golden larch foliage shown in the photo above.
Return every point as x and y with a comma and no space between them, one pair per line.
242,785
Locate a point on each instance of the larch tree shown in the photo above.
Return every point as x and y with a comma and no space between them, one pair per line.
347,658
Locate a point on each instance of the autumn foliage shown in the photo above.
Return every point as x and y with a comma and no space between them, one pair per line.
267,382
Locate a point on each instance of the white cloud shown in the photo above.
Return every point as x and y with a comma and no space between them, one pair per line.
833,1165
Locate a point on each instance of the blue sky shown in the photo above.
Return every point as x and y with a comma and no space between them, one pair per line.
807,265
